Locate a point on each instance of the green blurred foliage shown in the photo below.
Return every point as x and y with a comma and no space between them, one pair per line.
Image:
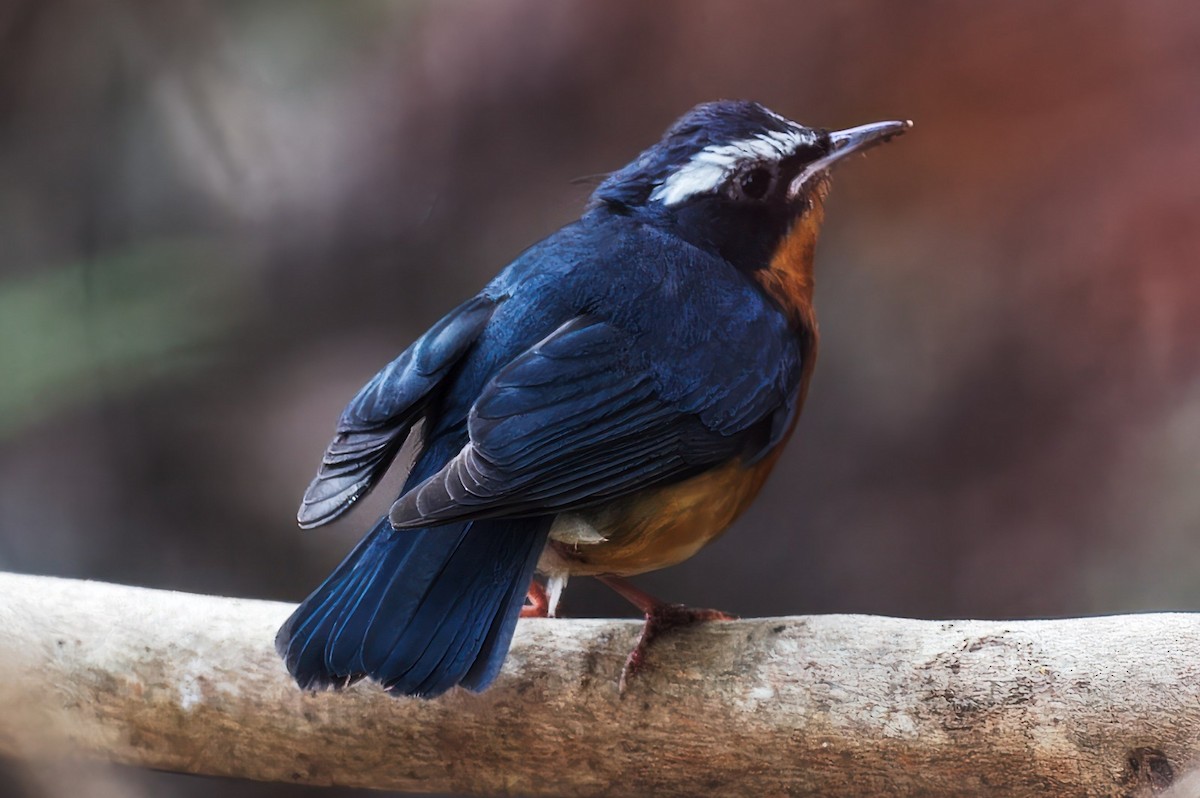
96,330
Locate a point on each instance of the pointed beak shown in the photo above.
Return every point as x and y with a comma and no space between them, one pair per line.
847,142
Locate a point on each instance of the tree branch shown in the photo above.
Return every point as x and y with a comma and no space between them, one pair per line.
830,705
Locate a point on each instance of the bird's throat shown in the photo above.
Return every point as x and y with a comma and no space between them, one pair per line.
788,276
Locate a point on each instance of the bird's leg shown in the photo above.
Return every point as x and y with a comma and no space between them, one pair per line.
539,602
661,617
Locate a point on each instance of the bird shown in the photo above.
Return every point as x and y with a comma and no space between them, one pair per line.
606,406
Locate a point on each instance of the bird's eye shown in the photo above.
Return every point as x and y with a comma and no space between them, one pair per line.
755,183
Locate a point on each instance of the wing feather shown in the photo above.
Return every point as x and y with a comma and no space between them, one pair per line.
377,421
579,418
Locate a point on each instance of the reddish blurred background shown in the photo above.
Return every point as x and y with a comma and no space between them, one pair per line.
218,219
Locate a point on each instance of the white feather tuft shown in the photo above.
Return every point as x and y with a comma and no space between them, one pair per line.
554,590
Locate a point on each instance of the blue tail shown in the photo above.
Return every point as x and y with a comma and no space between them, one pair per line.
418,611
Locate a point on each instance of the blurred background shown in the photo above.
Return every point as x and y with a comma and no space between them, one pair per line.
218,219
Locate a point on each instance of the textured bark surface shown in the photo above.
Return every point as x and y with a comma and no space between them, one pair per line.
831,705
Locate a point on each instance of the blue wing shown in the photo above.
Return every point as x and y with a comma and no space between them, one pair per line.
594,411
377,421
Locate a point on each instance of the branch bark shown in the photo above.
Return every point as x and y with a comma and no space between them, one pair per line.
830,705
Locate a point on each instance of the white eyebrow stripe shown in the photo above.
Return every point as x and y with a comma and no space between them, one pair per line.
778,117
713,165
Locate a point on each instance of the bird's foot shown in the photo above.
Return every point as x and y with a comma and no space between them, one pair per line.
661,617
660,620
538,605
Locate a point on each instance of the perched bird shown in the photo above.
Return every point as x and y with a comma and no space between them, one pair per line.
605,406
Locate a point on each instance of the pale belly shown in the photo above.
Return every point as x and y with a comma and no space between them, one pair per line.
655,528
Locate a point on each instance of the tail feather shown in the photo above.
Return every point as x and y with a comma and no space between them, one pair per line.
468,616
350,617
418,611
302,639
376,625
410,615
494,648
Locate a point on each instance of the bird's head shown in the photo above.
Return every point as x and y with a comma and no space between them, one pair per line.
737,178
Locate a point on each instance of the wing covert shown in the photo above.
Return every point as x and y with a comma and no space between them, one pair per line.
586,415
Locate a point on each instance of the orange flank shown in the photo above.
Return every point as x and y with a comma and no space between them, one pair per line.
659,527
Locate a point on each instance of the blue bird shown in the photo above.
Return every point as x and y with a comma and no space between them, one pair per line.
606,406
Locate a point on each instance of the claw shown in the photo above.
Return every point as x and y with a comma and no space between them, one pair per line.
661,618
